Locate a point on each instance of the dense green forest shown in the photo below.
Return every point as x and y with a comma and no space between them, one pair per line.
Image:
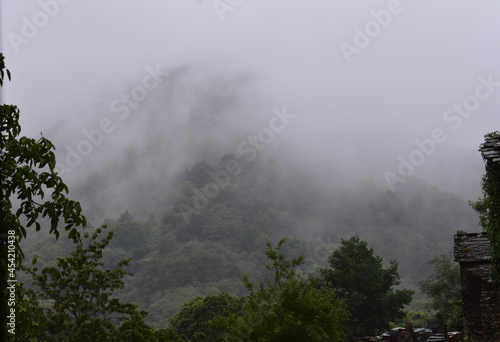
204,242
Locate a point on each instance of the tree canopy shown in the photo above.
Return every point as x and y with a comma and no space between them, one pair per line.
76,300
197,315
27,174
288,307
444,289
358,275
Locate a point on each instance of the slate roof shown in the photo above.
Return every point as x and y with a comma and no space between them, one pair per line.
490,149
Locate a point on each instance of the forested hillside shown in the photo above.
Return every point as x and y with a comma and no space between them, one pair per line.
214,225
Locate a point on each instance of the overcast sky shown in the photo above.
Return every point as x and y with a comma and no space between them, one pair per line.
365,79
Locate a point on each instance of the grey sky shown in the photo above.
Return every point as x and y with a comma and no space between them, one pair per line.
362,111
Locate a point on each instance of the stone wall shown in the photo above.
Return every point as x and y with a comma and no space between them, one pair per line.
480,296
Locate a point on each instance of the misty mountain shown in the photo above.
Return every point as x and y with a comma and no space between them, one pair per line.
214,225
205,241
125,153
193,114
195,177
198,130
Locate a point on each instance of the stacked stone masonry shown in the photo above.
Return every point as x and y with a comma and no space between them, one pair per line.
480,296
490,149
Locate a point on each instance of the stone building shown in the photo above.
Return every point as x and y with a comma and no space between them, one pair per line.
480,296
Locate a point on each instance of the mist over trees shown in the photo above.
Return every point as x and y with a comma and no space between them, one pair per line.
193,223
174,261
229,170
